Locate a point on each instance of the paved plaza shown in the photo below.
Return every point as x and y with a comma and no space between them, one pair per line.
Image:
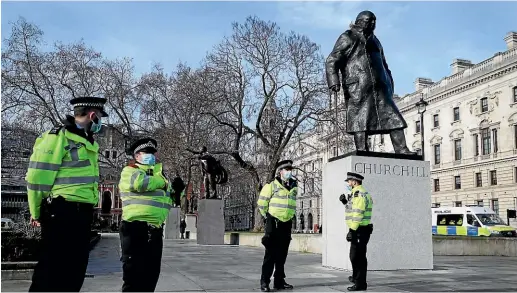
192,268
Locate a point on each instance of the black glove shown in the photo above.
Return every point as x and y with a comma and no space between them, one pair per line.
349,236
342,198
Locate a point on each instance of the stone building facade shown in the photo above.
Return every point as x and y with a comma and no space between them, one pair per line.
470,131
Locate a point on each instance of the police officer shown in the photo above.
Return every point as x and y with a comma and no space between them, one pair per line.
358,220
146,199
277,203
62,187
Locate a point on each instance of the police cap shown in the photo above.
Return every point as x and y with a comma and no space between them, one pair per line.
354,176
90,102
147,145
285,164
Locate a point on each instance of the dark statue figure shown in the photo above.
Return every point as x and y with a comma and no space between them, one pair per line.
177,188
367,85
213,173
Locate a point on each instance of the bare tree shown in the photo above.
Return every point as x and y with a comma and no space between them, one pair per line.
265,87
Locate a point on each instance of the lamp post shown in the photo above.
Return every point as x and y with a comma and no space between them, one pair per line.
421,106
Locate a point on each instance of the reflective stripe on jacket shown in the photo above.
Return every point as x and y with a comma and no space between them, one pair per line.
62,164
359,213
276,200
143,196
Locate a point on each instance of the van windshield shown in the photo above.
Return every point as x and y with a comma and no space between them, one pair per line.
490,219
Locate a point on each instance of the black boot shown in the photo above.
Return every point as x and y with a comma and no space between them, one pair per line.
283,286
264,287
357,288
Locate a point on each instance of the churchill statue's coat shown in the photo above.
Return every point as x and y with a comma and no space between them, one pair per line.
367,83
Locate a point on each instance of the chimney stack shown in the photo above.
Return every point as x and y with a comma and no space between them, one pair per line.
511,40
459,65
422,82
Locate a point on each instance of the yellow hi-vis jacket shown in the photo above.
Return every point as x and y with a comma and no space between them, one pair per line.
276,200
62,164
145,197
359,212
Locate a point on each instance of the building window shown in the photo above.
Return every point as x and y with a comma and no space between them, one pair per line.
436,154
515,94
107,154
456,113
457,149
334,151
495,205
436,185
417,127
435,205
479,202
476,145
382,139
114,154
484,105
436,121
485,138
457,182
493,177
457,204
494,138
479,180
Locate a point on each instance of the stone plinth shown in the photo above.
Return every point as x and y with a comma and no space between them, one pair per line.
191,220
210,222
401,192
172,224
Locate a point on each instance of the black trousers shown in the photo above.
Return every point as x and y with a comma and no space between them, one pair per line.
142,246
358,247
276,240
65,249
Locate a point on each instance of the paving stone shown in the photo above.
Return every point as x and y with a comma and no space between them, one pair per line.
188,267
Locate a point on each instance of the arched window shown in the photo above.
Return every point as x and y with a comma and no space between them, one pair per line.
302,222
309,221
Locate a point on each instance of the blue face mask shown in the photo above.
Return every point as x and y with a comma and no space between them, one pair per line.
147,159
348,187
78,126
96,126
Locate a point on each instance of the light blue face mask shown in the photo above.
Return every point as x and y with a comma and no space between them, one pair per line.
348,187
147,159
96,127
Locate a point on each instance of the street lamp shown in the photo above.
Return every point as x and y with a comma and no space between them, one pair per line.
421,106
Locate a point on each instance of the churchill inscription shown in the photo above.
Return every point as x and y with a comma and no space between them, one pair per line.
393,170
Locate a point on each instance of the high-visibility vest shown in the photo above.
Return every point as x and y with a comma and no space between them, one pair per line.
62,164
359,213
143,196
276,200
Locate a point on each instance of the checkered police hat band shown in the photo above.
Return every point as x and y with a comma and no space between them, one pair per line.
92,105
143,146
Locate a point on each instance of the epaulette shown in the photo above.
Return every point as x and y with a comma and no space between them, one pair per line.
55,130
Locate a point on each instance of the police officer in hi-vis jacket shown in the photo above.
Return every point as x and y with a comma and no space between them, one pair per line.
358,219
62,188
146,199
277,203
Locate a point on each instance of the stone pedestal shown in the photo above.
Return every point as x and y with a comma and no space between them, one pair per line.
210,222
172,224
191,226
401,219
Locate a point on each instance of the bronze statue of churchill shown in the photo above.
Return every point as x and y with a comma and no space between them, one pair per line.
367,85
